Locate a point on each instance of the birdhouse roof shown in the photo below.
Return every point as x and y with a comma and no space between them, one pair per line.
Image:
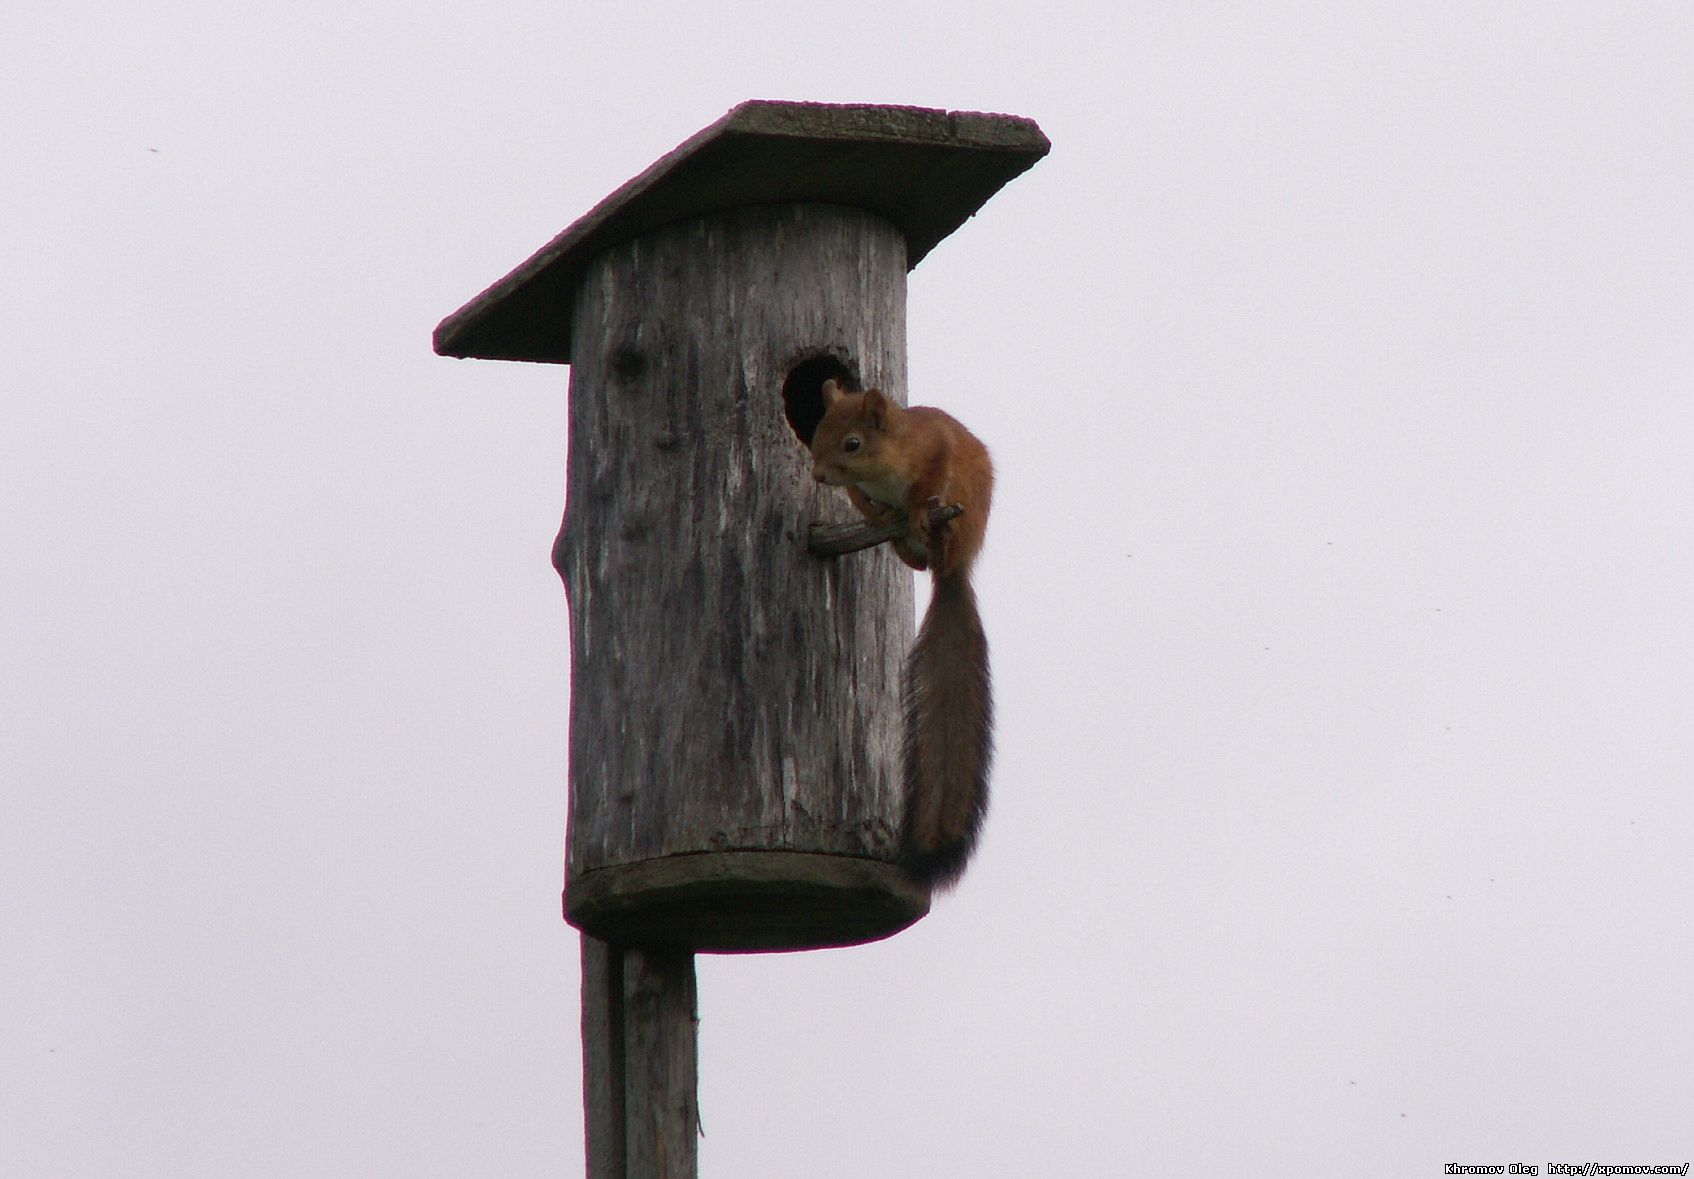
927,171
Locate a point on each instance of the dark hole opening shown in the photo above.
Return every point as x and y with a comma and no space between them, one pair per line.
802,392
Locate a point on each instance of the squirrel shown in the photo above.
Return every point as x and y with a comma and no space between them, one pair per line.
897,462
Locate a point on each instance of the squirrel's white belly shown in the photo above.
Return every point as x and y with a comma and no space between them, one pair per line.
890,490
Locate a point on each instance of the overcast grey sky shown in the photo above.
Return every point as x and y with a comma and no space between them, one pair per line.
1337,364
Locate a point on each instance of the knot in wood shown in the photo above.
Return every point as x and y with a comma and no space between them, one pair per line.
628,363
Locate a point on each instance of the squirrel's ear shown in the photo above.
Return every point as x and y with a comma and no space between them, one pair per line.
876,407
831,393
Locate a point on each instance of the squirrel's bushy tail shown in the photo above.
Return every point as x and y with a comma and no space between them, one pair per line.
949,736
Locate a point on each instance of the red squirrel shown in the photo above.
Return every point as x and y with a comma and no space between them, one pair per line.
897,462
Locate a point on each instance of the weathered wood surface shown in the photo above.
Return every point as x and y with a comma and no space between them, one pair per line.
926,171
763,900
662,1116
603,1059
730,695
640,1058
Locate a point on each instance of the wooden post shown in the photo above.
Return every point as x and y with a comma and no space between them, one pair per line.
735,710
639,1061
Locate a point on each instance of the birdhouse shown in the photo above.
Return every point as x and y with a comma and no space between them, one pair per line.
734,704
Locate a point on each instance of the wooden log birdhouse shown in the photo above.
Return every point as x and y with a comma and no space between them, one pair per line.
734,710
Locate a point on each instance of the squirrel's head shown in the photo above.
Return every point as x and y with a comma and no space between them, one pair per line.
848,441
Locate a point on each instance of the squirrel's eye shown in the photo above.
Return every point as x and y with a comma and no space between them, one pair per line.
851,443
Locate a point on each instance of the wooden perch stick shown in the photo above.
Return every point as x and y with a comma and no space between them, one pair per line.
836,540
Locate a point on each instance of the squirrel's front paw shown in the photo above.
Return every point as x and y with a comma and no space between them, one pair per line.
933,532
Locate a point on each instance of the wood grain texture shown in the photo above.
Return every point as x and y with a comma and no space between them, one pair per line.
603,1059
661,1111
640,1061
729,692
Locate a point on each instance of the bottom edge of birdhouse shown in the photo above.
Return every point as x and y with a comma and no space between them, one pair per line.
741,902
